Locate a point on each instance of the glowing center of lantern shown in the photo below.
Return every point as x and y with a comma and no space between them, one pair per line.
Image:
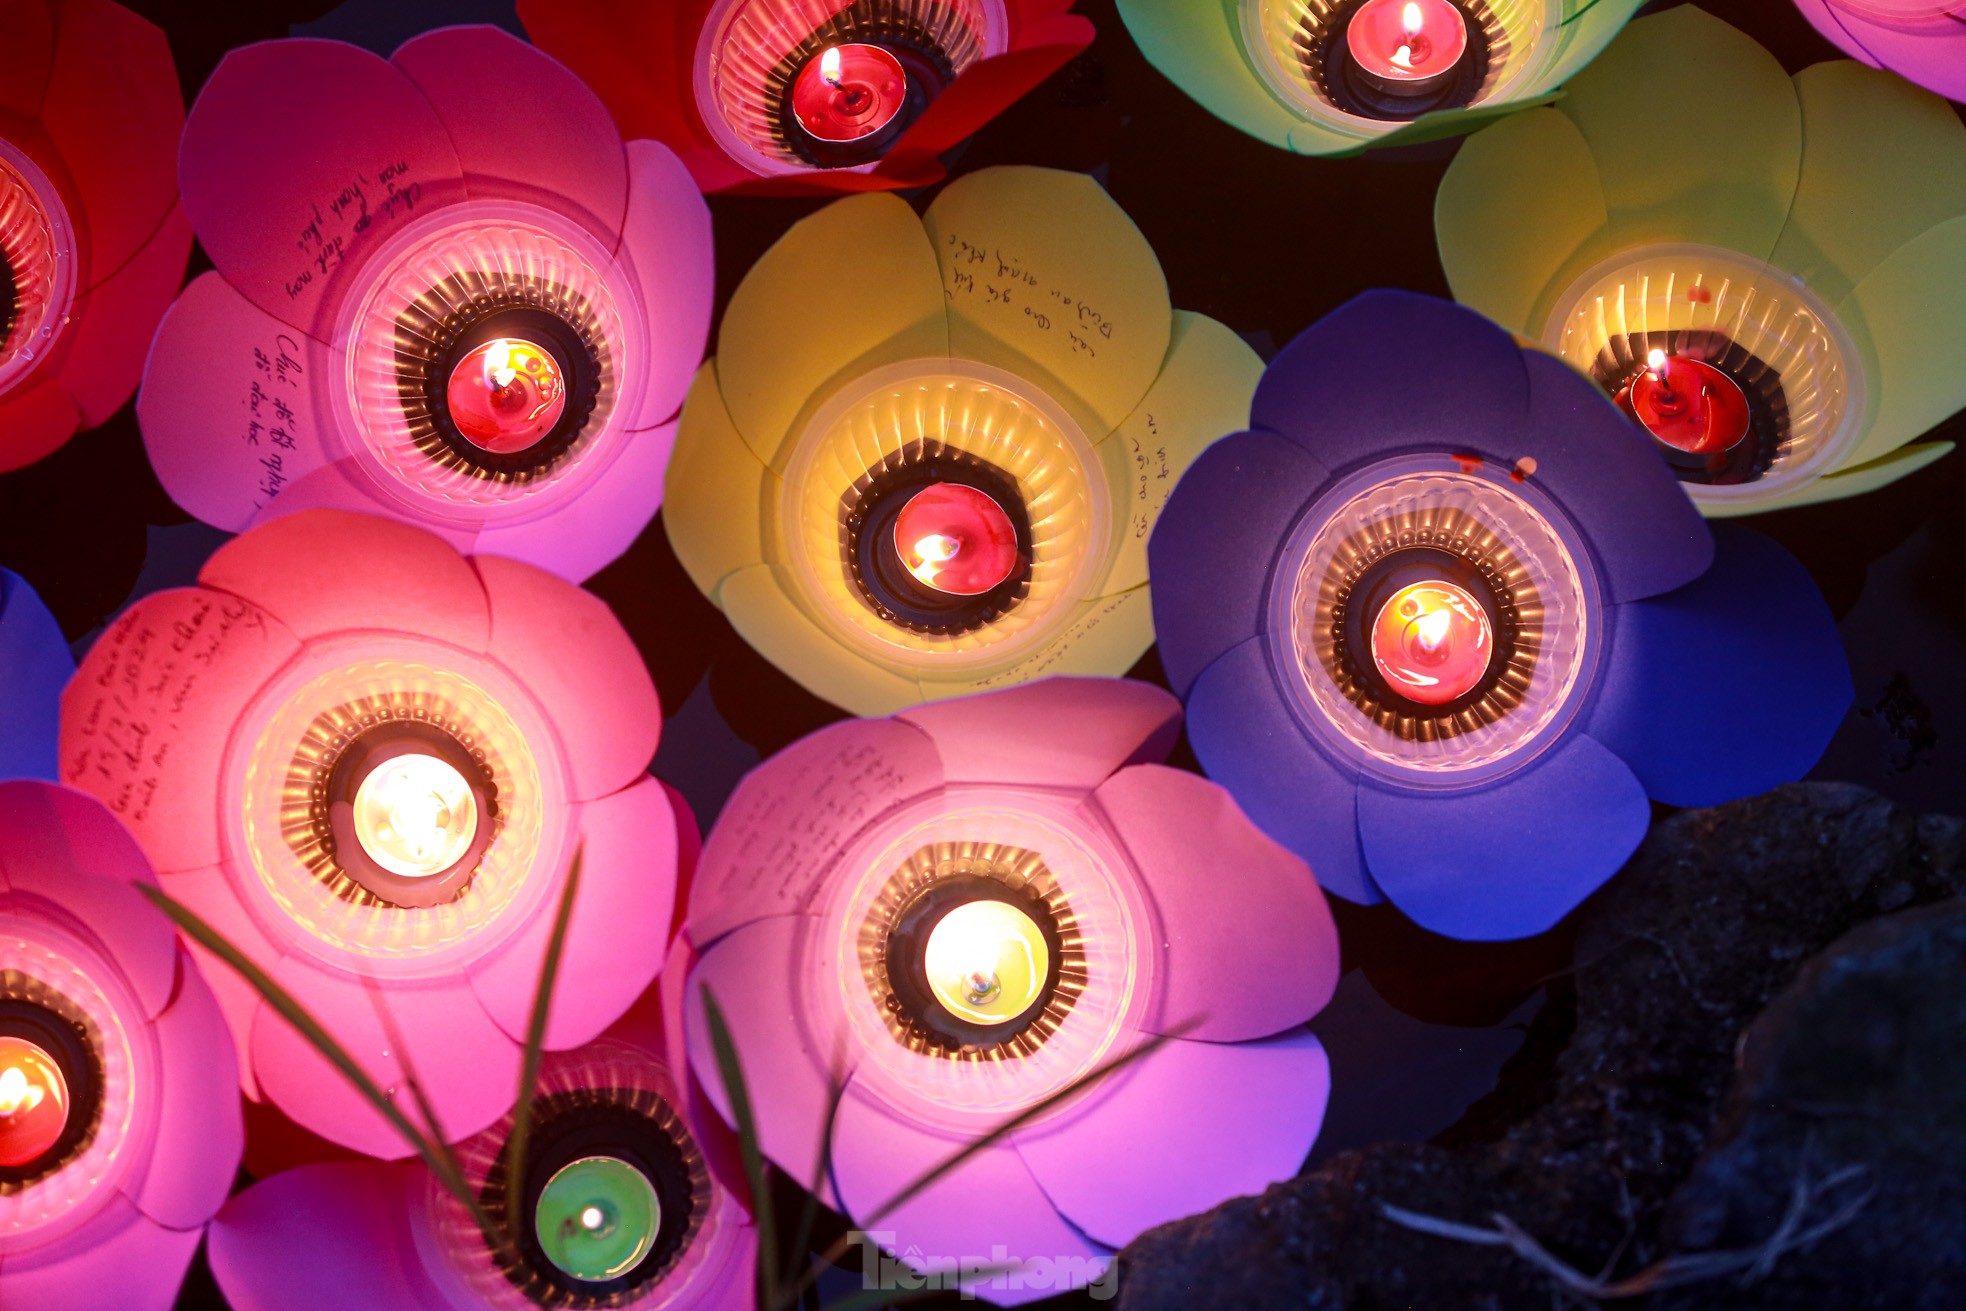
1689,404
506,395
1431,642
849,92
415,815
33,1101
1406,47
597,1218
986,962
956,539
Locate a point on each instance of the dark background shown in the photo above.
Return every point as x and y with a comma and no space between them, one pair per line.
1265,241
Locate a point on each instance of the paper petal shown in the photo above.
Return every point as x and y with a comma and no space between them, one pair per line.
114,110
1855,480
1200,50
385,575
524,128
1232,967
1917,330
1042,268
1216,546
34,666
1511,858
985,89
571,653
619,931
1202,394
210,412
35,423
1226,1120
1249,741
864,264
1459,379
121,1260
1058,732
114,323
1107,637
64,847
759,606
630,52
145,726
987,1211
314,125
1516,205
1644,531
322,1238
714,503
788,1070
584,535
200,1133
666,244
30,29
1858,203
1932,55
1728,686
789,819
1586,32
468,1067
210,895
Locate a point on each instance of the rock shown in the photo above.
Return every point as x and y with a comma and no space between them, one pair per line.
1611,1103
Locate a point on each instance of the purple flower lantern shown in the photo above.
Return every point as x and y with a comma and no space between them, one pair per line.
1443,627
34,663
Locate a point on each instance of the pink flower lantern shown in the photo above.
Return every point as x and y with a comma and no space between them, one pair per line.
456,298
119,1110
957,912
92,242
1922,41
368,761
626,1206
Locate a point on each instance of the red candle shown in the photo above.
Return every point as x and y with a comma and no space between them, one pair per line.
506,395
1431,642
1406,47
1688,404
849,92
955,539
33,1101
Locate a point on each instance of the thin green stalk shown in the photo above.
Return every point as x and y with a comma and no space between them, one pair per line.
542,1002
731,1072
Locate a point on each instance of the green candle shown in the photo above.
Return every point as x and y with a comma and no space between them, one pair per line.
597,1218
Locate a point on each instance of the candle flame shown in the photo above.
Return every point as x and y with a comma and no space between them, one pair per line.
829,66
931,553
498,364
16,1093
1409,18
1431,628
1655,363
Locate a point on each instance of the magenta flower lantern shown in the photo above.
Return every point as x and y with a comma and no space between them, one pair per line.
457,299
368,761
92,242
956,912
34,664
1922,41
119,1109
625,1205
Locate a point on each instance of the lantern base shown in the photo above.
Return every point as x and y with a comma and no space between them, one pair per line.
923,61
67,1043
907,952
1623,359
461,332
1353,91
370,752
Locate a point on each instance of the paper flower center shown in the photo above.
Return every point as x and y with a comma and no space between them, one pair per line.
37,266
506,395
597,1218
34,1105
1432,642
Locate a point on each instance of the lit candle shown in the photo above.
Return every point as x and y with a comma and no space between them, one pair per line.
986,962
597,1218
33,1102
1687,404
956,539
1407,47
849,92
506,395
415,815
1432,642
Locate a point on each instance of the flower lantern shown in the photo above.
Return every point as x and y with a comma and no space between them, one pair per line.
34,663
928,452
457,299
955,913
1334,77
92,243
1775,310
119,1109
809,96
1919,40
368,761
624,1207
1443,625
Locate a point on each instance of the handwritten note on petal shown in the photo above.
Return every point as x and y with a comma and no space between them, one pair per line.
228,404
793,815
1041,267
1109,635
146,719
300,158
